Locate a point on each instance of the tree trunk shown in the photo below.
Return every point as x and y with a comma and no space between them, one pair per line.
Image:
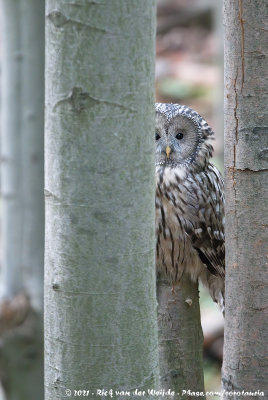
246,186
21,353
100,300
180,338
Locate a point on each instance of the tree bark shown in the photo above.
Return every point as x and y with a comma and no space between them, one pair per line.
246,183
100,300
180,338
21,308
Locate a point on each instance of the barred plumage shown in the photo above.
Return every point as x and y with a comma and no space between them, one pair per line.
189,200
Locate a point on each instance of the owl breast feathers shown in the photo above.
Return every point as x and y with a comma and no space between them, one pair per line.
189,201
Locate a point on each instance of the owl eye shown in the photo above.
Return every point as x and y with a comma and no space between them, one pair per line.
179,136
157,136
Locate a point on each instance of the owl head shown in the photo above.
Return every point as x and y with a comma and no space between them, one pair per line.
181,136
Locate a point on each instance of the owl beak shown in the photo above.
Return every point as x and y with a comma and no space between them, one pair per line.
168,150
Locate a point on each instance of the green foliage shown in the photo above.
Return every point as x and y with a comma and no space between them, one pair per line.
177,89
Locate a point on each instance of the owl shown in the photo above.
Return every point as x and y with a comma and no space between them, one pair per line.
189,201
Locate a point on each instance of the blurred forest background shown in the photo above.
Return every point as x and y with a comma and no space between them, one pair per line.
189,70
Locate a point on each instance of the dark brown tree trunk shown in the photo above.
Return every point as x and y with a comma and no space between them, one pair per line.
180,338
245,364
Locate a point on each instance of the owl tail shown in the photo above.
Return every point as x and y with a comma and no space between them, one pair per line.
221,302
215,285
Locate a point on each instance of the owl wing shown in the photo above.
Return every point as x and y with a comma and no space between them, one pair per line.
207,230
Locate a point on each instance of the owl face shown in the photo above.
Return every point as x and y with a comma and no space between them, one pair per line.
179,135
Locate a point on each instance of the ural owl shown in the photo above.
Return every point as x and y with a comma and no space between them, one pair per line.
189,201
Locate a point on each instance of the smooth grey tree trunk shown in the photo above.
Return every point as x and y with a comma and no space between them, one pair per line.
180,338
22,103
246,186
100,300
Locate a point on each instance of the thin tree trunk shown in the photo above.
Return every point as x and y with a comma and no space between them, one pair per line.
180,338
32,21
11,184
100,300
21,353
246,186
